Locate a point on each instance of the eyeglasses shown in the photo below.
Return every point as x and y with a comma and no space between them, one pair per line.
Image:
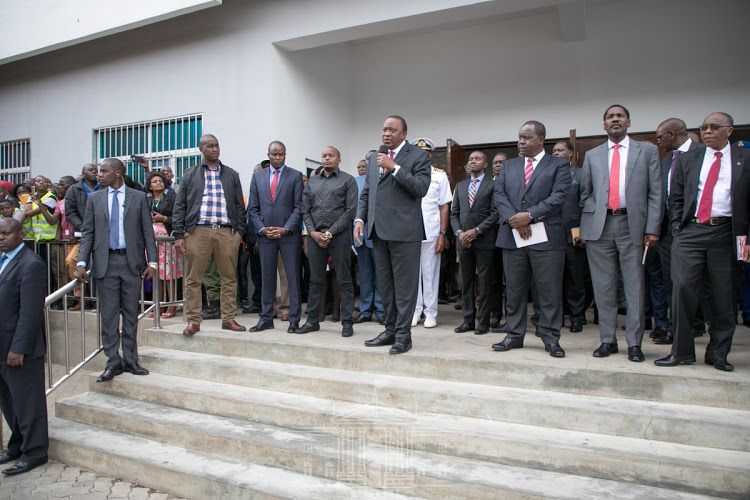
712,126
658,137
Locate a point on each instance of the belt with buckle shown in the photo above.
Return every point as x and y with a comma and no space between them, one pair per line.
216,226
619,211
120,251
713,221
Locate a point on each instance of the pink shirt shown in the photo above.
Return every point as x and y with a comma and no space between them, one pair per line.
66,229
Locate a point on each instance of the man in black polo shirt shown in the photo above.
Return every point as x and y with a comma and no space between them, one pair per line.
329,204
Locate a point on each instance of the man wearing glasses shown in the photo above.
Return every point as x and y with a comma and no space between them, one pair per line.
708,216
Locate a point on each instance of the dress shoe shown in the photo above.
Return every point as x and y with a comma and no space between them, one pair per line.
659,331
383,339
381,321
22,467
109,374
464,327
400,347
430,322
507,344
232,325
284,316
293,327
635,354
213,311
672,360
500,328
252,309
262,325
664,339
244,304
443,300
481,330
135,369
576,326
555,350
457,306
191,329
347,330
605,350
76,307
363,319
308,327
698,332
6,457
722,365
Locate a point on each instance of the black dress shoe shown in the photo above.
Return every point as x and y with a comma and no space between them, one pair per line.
576,326
135,369
262,325
672,360
108,375
400,347
664,339
384,338
381,321
294,327
635,354
443,300
500,328
658,332
22,467
363,319
347,330
481,330
308,327
464,327
722,365
605,350
555,350
7,457
698,332
251,310
507,344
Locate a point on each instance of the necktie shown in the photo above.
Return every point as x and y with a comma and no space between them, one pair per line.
114,223
528,170
472,191
675,154
274,183
382,170
3,258
704,209
614,179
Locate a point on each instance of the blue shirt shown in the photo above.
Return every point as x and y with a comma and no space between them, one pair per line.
479,181
270,175
121,201
10,256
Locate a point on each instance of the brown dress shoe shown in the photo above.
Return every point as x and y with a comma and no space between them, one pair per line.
284,317
232,325
191,329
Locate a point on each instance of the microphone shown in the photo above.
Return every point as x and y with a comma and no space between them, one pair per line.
383,149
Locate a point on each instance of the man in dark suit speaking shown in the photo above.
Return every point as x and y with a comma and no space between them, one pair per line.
117,230
391,206
23,277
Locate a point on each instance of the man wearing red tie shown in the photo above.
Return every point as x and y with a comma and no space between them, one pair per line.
708,214
622,206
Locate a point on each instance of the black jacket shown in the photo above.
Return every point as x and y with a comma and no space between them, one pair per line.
166,208
188,203
75,205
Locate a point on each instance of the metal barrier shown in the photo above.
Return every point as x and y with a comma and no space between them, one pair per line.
171,285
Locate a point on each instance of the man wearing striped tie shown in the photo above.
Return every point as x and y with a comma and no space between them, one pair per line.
529,194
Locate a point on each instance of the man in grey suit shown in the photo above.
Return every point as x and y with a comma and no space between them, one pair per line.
529,194
117,230
622,207
474,223
274,209
391,206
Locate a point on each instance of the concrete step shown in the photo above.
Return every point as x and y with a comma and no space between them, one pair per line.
322,454
444,355
684,424
188,473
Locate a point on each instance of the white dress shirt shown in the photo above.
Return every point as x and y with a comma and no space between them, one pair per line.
722,195
536,159
682,149
625,147
395,154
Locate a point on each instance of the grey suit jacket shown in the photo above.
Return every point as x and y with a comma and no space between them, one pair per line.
283,211
140,243
392,205
542,198
643,191
480,214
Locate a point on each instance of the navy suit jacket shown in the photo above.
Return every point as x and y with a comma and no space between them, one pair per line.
283,211
23,285
542,198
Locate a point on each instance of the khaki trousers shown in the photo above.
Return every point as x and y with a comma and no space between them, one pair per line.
200,245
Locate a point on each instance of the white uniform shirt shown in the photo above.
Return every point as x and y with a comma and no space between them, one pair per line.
437,195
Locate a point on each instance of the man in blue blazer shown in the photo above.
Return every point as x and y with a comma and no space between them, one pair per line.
529,194
274,208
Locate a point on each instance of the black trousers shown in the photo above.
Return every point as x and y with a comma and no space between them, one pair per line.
700,249
476,262
24,407
574,281
340,251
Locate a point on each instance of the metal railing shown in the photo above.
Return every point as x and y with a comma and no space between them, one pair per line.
171,271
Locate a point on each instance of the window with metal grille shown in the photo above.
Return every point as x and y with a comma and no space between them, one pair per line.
169,141
15,160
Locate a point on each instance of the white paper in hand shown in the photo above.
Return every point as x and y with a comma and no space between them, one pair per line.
538,235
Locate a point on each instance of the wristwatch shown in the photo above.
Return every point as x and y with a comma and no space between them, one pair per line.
442,233
153,266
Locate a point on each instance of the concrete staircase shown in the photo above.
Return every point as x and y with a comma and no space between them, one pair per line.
273,415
